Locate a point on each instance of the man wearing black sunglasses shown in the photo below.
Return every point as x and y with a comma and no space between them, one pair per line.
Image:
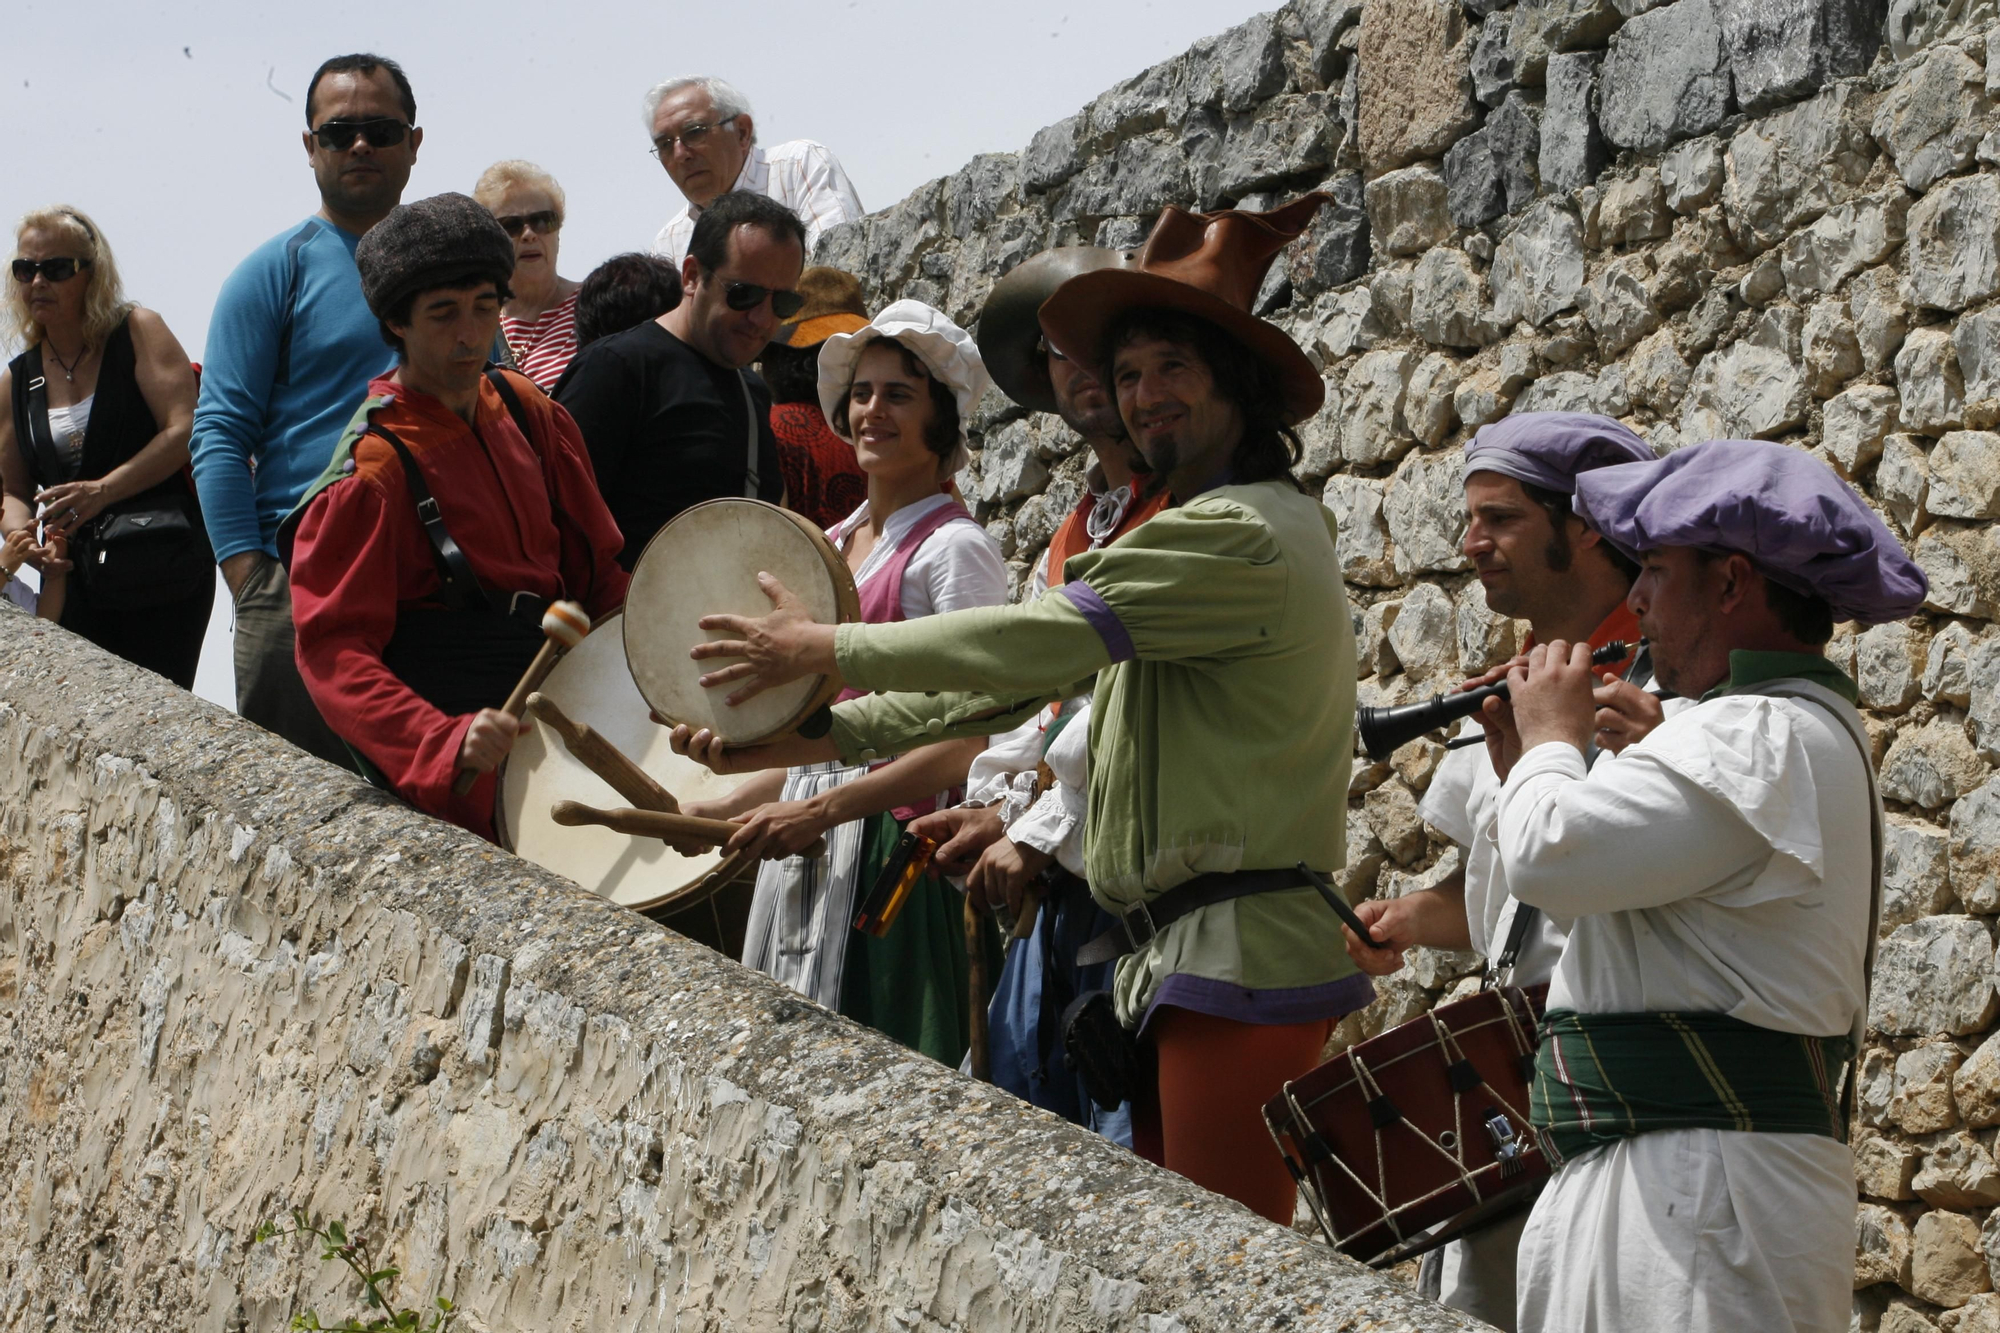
670,413
291,348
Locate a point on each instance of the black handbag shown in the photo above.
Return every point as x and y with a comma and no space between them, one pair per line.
149,549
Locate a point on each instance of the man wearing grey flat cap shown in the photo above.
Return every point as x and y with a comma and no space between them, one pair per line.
1722,882
1536,562
459,504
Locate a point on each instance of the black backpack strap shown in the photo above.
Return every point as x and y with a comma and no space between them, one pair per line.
462,588
44,460
513,401
520,414
293,245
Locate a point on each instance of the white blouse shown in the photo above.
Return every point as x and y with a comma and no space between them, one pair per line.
958,565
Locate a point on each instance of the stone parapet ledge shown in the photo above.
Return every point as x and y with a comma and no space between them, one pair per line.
235,980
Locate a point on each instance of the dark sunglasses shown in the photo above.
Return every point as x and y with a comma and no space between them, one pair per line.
544,222
338,136
55,270
748,296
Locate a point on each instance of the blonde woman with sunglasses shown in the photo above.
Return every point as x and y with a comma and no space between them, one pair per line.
538,322
102,400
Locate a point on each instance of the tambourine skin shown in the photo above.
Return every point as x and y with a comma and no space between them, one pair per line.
706,562
592,685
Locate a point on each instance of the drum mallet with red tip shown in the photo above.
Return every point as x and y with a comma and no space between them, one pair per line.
564,624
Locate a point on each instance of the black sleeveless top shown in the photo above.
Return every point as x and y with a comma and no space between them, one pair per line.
120,422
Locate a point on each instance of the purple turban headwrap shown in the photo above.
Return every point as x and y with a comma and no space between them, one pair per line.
1799,523
1548,449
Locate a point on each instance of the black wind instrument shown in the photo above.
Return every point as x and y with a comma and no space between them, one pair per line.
1383,730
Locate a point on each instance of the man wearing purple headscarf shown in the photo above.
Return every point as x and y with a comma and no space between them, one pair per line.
1536,562
1721,882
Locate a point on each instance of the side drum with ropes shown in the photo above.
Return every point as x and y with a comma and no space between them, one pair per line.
1419,1135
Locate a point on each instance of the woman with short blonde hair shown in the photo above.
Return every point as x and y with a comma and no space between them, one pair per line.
94,451
539,322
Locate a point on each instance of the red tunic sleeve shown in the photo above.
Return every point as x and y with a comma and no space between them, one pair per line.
346,567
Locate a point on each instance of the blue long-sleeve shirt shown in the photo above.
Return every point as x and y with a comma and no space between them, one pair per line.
268,419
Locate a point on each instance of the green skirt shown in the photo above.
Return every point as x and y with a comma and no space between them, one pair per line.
912,983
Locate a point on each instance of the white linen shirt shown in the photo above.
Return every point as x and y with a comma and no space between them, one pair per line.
802,175
958,565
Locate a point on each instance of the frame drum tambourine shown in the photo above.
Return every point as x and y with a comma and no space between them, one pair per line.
592,685
706,562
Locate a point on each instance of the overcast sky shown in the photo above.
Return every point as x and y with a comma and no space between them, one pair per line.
177,126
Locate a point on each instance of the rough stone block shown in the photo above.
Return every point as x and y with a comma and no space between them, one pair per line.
1572,149
1751,390
1448,305
1326,22
1883,1167
1285,137
1874,1086
1335,248
1542,28
1633,209
1976,338
1888,664
1051,157
1881,319
1963,566
1484,638
1932,764
1375,430
1786,169
1843,241
1785,49
1956,1172
1927,377
1479,399
1392,814
1427,405
1424,635
1492,171
1953,252
1425,506
1362,542
1665,78
1832,354
1252,58
1538,269
1493,67
1415,92
1408,211
1975,842
1975,1088
1915,24
1902,482
1881,1246
1934,117
1948,666
1855,424
1947,1266
1921,1103
1965,475
1141,176
1616,303
1692,174
1657,374
1982,668
1934,978
1009,467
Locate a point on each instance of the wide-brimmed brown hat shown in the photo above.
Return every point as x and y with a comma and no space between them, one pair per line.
1010,330
833,305
1206,264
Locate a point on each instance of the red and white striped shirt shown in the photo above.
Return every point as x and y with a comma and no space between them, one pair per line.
543,347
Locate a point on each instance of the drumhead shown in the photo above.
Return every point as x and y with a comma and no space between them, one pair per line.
705,562
591,685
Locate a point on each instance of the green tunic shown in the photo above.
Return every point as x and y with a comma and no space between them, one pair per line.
1219,640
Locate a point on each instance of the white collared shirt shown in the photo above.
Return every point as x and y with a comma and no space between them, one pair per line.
802,175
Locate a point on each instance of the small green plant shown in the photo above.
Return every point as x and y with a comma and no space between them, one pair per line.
377,1284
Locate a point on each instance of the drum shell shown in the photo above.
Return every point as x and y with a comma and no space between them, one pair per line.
591,684
706,561
1375,1189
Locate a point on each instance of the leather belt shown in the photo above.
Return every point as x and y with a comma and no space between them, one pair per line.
1141,922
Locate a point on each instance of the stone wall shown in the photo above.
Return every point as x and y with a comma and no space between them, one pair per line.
1776,219
234,980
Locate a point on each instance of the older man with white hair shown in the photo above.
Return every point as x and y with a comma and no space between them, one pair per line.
705,137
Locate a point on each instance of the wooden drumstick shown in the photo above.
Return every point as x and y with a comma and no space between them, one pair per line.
603,758
564,624
658,824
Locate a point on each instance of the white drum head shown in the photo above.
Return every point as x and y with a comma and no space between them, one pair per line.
591,685
706,562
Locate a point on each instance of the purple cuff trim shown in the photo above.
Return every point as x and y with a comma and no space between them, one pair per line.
1299,1004
1102,619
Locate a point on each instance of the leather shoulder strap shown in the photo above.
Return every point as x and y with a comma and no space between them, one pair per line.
461,587
751,482
295,243
44,459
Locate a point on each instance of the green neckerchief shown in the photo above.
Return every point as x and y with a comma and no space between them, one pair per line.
1748,669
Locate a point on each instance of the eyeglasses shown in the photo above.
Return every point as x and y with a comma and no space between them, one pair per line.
744,296
338,136
544,222
55,270
689,138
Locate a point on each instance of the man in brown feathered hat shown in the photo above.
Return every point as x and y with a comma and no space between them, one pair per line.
1219,643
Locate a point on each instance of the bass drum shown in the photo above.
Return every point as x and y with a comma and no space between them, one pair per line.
697,895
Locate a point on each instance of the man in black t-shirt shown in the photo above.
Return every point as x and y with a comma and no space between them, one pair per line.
667,408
